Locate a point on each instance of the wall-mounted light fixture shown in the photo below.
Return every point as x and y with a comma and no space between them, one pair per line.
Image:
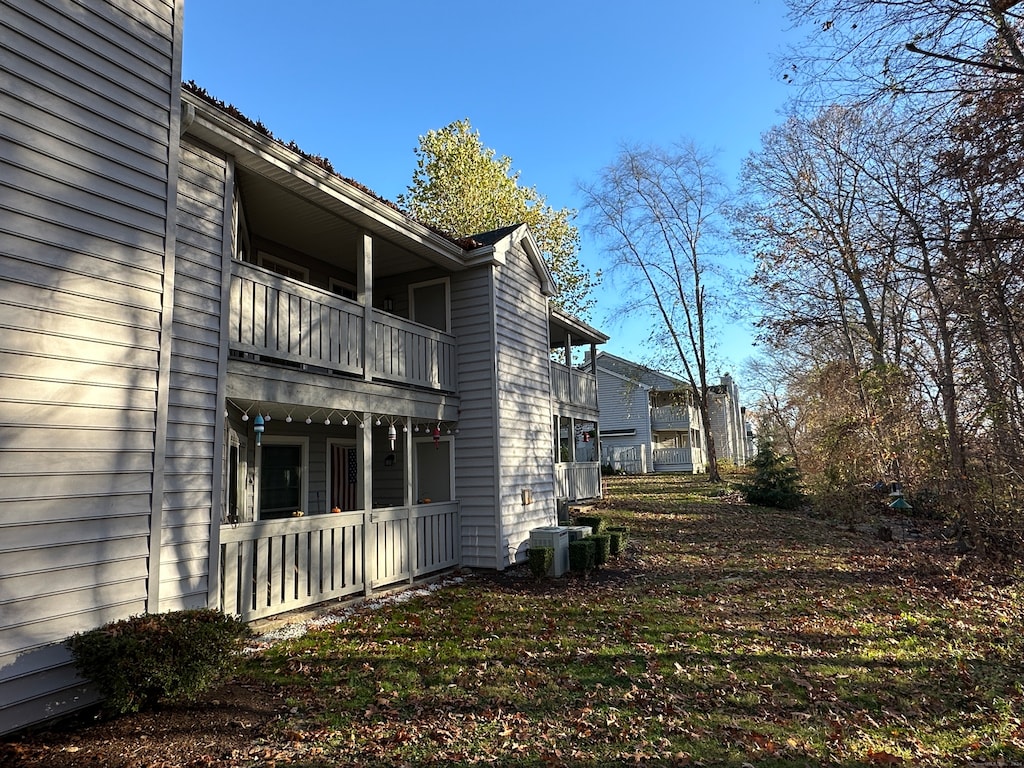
389,304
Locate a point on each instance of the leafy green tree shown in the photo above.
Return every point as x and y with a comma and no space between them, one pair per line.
776,482
464,188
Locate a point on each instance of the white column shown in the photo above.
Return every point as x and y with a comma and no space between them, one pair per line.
364,284
364,450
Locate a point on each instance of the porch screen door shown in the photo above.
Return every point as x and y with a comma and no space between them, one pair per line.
344,477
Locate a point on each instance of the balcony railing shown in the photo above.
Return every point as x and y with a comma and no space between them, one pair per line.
277,318
672,417
573,387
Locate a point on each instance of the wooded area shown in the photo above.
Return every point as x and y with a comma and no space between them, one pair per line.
885,216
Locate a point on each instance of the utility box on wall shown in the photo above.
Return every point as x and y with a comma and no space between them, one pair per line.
558,539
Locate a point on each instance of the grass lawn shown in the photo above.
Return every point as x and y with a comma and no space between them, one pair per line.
726,635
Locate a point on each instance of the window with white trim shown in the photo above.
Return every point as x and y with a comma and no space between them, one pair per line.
283,477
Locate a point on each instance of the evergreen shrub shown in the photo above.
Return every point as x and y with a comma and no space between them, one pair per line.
595,522
581,555
541,561
619,537
602,548
775,483
142,660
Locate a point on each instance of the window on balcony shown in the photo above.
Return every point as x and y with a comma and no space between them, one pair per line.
346,290
429,304
283,266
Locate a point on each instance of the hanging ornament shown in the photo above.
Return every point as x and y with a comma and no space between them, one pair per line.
392,436
437,437
258,425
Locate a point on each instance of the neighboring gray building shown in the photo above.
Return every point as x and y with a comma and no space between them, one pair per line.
650,423
230,377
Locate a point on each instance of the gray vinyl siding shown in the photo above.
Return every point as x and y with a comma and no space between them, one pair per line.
88,104
191,501
623,405
524,405
475,454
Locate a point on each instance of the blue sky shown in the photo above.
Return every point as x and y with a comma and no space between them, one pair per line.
556,86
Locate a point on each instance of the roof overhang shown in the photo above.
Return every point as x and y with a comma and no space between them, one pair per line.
562,325
497,251
270,158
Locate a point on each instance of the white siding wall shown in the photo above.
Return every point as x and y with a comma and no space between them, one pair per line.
88,108
624,405
195,402
526,453
475,448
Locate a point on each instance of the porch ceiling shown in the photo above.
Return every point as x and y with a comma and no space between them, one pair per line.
284,216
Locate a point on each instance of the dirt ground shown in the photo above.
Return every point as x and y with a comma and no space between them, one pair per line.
230,728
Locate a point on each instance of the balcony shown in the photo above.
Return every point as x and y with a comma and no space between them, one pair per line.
672,417
570,386
284,321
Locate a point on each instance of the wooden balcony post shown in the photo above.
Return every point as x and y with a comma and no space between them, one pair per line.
364,449
364,284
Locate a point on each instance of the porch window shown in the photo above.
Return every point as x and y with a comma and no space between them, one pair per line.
434,470
282,478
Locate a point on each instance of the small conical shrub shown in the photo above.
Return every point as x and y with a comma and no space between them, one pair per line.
776,483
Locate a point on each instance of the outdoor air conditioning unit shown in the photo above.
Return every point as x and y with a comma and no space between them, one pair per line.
578,532
556,537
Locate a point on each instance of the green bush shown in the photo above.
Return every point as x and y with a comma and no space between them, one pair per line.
142,660
595,522
541,561
602,548
775,483
581,555
619,537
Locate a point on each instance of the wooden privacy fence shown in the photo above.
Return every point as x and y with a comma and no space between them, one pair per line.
275,566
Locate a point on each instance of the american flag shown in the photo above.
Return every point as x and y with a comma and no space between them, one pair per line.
344,477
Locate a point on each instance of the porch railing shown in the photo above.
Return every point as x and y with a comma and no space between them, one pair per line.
570,386
681,459
579,480
279,318
273,566
412,541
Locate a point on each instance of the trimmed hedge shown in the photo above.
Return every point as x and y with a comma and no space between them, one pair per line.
142,660
581,555
602,547
541,561
595,522
619,538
